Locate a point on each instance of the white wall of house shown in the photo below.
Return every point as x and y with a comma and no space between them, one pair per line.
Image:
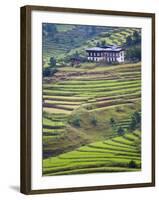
109,57
121,57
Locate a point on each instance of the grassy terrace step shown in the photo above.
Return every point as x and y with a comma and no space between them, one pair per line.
48,138
51,132
101,89
56,110
117,97
50,122
69,108
111,103
52,127
114,99
110,154
122,140
89,94
87,78
137,134
70,99
63,103
108,150
85,165
118,144
95,100
91,86
100,69
134,95
95,170
107,146
131,137
93,155
85,83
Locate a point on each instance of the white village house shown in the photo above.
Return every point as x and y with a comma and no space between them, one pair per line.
106,53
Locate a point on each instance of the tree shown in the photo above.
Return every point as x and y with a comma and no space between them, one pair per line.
48,71
133,53
98,44
120,131
132,164
113,123
103,43
49,30
135,121
112,120
129,41
94,120
136,37
76,121
52,62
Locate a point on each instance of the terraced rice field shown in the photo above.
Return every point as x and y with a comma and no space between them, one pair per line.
86,94
113,155
119,85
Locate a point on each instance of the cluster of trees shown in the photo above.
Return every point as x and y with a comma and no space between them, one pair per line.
120,130
49,30
135,123
133,45
76,120
134,39
51,69
133,53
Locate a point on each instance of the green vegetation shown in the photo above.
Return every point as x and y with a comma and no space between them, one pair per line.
91,111
63,41
95,106
96,157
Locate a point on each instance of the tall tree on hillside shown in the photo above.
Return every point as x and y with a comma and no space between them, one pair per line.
52,62
136,37
133,53
129,40
97,44
135,121
103,43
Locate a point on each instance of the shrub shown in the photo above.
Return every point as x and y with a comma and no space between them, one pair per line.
120,131
112,120
120,109
113,123
132,164
76,121
49,71
135,121
94,120
52,62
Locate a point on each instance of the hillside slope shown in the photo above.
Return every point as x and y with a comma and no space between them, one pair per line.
76,38
119,154
79,103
